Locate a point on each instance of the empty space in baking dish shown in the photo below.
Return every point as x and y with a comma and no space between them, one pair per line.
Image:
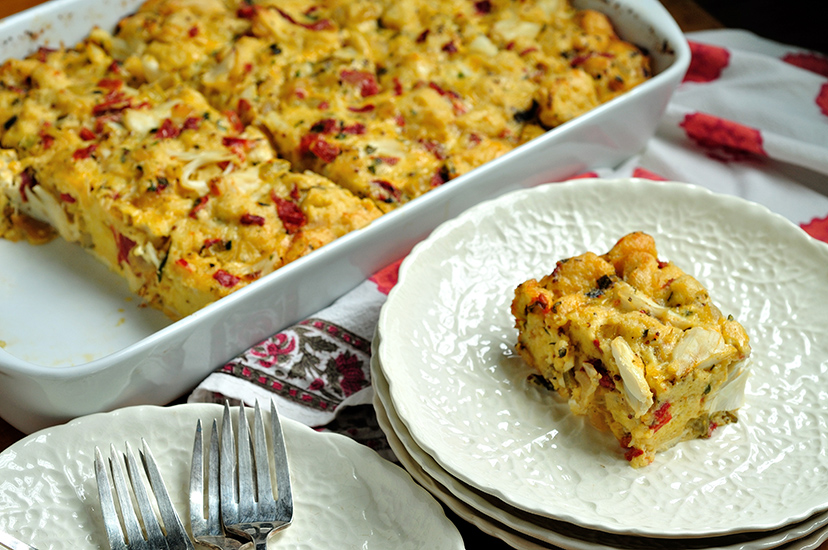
63,307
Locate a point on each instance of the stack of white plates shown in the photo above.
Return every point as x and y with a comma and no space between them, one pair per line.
507,455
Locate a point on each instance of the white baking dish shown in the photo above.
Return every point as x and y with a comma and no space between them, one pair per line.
72,339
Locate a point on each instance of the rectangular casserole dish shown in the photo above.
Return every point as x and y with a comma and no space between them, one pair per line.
73,340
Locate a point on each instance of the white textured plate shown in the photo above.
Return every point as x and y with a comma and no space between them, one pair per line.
447,349
525,531
345,495
57,364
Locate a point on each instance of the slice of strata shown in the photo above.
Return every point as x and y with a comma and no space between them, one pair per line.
636,345
169,193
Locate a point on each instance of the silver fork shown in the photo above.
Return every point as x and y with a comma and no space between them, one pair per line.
205,521
171,537
248,507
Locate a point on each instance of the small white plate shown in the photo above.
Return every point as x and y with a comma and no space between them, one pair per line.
523,531
447,349
345,495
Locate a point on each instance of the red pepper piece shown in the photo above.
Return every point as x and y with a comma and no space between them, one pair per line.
200,203
114,102
110,84
192,123
366,82
390,161
324,126
232,142
313,143
167,130
632,452
483,7
439,178
291,215
319,25
389,188
46,140
251,219
234,120
225,279
86,152
434,148
245,110
662,417
43,52
356,128
27,181
124,244
247,11
581,59
363,109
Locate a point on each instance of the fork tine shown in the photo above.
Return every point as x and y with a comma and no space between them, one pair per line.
262,517
177,537
213,521
284,505
134,536
245,467
197,521
264,489
227,476
108,511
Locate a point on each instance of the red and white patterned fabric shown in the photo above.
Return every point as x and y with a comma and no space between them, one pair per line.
750,119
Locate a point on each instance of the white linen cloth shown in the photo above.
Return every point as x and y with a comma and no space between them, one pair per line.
750,119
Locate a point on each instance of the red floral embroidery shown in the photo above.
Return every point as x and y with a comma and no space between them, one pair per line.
822,99
584,175
386,277
808,61
817,228
646,174
353,377
724,139
707,62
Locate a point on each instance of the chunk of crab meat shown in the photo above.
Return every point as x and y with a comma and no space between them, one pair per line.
699,348
731,394
632,300
638,392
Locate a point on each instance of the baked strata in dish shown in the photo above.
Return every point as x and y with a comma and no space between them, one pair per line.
204,143
636,345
